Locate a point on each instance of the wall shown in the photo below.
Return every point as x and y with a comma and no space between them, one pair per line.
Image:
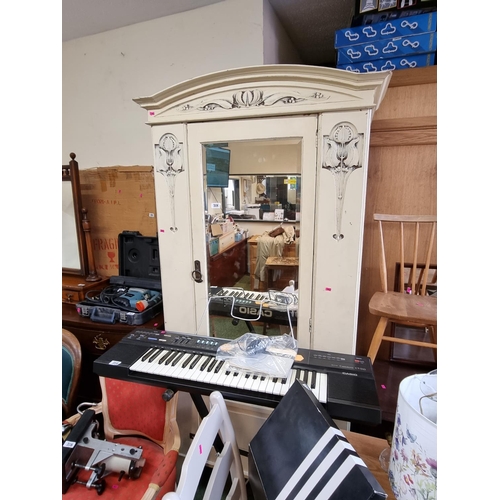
277,45
101,74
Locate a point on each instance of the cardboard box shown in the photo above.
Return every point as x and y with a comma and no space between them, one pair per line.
299,452
385,49
216,230
117,199
220,228
393,28
391,64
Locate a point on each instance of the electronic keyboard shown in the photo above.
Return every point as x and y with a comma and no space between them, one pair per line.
343,383
270,307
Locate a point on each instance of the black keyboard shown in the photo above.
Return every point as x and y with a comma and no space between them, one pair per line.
271,307
343,383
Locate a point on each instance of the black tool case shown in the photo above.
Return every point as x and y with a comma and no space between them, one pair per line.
134,297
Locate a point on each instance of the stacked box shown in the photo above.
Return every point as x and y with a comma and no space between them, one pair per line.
408,42
392,64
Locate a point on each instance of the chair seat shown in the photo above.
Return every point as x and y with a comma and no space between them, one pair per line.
413,309
131,489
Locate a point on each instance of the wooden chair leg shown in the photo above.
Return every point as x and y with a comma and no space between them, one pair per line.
377,338
433,334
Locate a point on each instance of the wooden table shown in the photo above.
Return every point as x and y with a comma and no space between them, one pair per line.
369,449
283,264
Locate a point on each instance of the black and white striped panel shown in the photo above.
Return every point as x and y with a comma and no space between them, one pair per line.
322,472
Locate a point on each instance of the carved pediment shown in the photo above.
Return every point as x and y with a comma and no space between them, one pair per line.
265,91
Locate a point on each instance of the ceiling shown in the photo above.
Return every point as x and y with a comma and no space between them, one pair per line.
310,24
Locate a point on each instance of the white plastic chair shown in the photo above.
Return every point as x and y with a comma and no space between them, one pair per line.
227,464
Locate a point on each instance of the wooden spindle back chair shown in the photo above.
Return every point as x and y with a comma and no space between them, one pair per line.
410,305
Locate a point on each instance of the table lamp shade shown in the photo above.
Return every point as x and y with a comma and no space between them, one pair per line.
413,457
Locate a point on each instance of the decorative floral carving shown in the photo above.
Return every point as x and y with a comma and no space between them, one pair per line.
169,164
251,98
341,153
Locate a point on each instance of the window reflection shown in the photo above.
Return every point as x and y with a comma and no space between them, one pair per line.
263,182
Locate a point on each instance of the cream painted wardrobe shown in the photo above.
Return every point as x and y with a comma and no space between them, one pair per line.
329,111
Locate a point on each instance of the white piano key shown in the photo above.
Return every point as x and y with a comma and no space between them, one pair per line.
142,362
256,382
263,385
214,375
280,384
191,368
323,388
178,370
208,373
236,379
168,367
157,366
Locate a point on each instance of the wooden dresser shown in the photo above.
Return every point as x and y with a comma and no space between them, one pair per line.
228,267
95,339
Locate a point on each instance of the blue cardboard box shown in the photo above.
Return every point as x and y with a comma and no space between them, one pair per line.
394,28
385,49
391,64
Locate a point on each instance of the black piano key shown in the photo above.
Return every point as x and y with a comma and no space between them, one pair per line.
154,356
148,353
164,357
219,366
188,359
172,356
195,361
212,364
313,380
177,358
205,363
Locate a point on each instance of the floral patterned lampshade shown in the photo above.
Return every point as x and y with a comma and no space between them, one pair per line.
413,458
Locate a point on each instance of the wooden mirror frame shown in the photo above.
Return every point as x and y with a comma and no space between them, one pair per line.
70,173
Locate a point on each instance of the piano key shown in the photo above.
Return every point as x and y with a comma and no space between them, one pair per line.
147,354
214,373
209,369
156,367
159,366
179,369
143,362
196,371
286,385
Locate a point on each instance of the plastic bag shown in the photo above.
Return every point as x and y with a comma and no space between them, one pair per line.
258,354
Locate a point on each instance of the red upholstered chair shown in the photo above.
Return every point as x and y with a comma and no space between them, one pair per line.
136,415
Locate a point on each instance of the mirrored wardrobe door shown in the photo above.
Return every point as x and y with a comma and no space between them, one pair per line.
236,160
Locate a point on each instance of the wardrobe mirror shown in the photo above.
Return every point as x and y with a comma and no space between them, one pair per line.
257,184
